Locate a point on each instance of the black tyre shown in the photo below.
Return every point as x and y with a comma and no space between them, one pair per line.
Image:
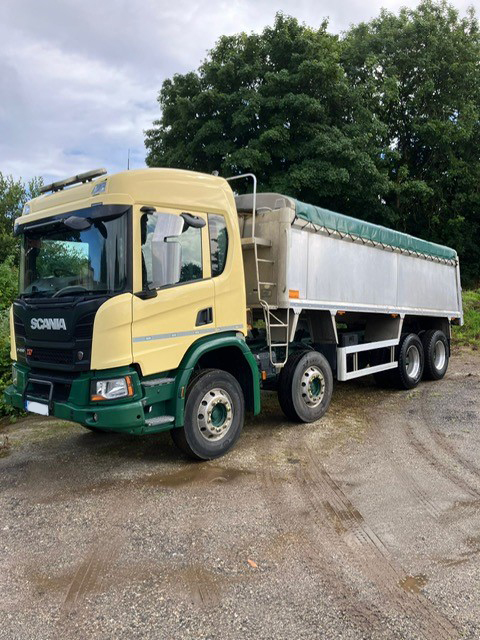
305,386
383,379
410,362
437,353
214,415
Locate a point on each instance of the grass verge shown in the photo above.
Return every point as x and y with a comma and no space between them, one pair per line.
469,334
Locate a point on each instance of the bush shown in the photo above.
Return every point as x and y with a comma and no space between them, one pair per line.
5,362
8,283
8,290
469,334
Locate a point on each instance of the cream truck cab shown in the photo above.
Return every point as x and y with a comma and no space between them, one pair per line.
134,292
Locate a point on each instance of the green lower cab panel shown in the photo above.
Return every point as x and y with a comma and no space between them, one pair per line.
144,412
156,402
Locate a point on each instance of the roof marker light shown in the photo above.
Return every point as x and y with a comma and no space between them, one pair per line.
99,188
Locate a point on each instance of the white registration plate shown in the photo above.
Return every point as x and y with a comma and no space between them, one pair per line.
36,407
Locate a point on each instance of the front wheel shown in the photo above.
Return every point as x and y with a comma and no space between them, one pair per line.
305,386
214,415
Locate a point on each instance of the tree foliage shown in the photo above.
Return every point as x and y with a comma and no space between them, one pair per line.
8,283
279,104
13,195
381,123
422,70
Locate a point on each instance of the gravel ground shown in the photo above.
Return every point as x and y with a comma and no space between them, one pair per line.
364,525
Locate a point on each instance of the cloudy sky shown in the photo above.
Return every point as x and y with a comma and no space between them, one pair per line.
79,78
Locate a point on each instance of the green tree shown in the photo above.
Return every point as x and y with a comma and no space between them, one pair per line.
13,195
279,104
422,71
8,283
382,123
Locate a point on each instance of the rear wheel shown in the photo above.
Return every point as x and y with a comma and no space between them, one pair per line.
410,362
383,379
214,415
436,349
305,386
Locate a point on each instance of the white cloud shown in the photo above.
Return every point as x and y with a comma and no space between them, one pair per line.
79,80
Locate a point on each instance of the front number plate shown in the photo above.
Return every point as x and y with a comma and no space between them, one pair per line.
36,407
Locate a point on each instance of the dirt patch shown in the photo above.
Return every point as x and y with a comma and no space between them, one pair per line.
363,525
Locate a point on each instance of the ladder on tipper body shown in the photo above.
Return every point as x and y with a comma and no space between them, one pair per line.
271,313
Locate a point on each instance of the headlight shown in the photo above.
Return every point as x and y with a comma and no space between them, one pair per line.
114,388
14,376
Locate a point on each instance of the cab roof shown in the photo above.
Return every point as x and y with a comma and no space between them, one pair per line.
170,188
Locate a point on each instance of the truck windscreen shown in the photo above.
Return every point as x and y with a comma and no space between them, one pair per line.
60,261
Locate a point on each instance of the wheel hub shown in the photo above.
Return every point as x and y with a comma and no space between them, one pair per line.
412,361
313,386
439,355
215,414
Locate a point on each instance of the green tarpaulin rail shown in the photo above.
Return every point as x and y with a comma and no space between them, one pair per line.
366,230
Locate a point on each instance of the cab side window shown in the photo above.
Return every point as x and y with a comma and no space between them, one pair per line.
217,230
171,250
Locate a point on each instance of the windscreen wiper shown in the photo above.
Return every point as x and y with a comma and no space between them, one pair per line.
35,294
97,292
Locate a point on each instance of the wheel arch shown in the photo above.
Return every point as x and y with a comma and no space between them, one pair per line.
224,351
419,324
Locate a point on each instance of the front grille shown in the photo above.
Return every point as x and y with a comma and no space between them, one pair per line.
19,327
55,350
63,377
51,356
84,328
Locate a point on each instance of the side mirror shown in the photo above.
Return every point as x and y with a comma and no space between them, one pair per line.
77,223
193,221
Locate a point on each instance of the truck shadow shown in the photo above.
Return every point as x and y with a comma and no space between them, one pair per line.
156,447
81,449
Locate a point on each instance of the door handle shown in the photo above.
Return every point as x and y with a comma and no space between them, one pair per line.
205,316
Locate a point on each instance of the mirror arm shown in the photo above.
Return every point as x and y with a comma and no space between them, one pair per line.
146,294
193,221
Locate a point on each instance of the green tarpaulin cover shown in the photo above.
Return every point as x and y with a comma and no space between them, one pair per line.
345,224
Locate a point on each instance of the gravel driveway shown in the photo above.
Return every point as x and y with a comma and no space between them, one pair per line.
363,525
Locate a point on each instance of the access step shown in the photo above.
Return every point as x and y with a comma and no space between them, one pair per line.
155,422
247,243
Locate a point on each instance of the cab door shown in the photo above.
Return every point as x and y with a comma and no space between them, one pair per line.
174,259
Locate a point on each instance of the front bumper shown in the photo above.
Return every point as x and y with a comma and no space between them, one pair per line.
125,415
127,418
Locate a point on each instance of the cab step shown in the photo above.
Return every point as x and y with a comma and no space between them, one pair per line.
155,422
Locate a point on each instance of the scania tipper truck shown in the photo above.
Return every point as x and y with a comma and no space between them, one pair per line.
156,299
